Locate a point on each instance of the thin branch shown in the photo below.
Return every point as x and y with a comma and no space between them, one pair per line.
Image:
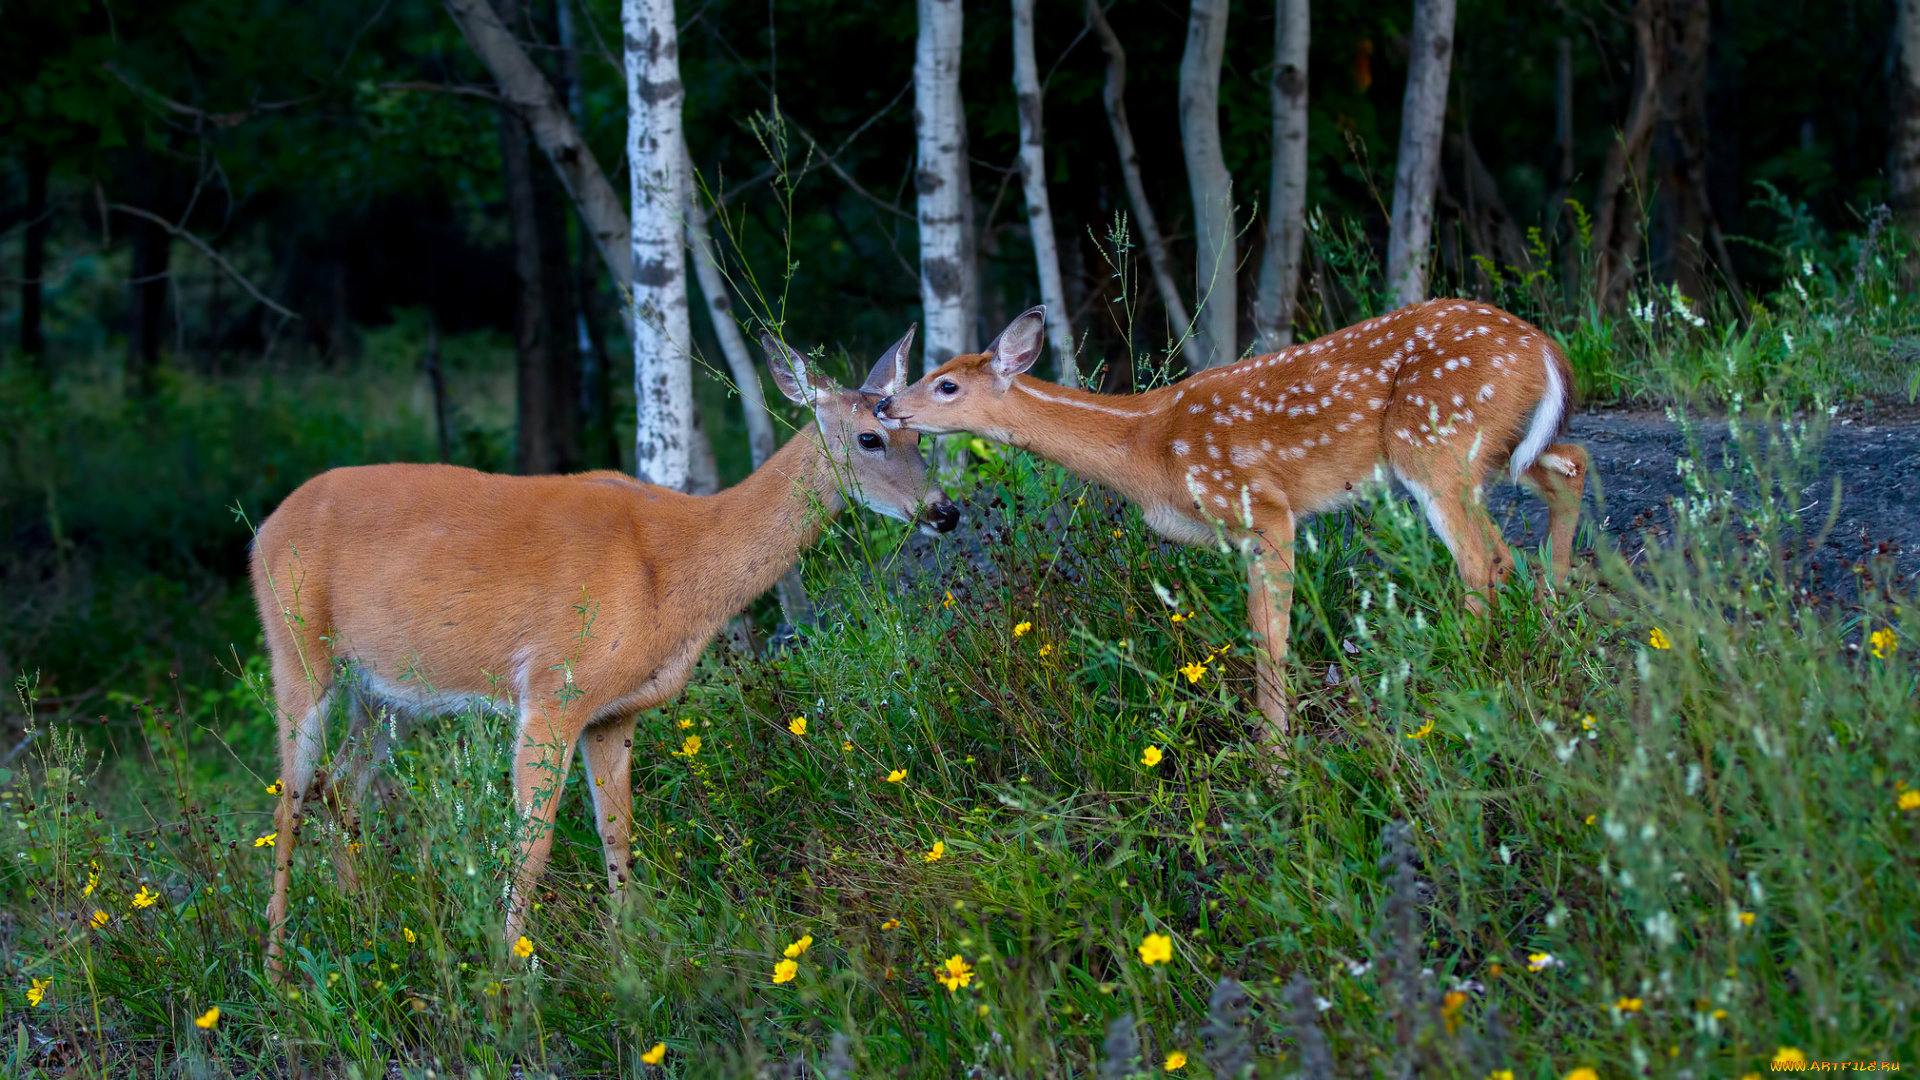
207,250
444,88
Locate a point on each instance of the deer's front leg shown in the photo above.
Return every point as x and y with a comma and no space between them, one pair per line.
539,777
608,750
1269,609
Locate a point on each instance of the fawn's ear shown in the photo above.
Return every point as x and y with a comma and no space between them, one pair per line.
889,374
1018,346
793,373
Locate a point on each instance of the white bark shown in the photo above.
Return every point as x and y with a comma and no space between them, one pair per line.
1145,225
948,291
1216,266
657,162
1287,198
1033,177
1903,134
1422,116
713,289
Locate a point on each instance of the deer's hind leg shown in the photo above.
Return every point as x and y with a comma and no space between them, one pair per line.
1559,476
302,698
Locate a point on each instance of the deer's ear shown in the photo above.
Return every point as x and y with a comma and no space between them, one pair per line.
793,373
889,374
1018,346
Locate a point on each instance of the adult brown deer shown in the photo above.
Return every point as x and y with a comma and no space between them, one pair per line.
1438,395
428,588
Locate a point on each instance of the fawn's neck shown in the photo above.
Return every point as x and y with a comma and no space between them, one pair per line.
1106,438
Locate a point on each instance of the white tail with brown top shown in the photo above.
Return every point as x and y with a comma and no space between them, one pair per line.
1439,395
426,588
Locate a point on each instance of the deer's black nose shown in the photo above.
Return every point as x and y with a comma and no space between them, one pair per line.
944,516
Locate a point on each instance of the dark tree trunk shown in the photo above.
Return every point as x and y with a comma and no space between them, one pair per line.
533,354
146,315
599,445
33,256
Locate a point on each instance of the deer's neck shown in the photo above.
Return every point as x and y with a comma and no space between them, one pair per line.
756,529
1102,437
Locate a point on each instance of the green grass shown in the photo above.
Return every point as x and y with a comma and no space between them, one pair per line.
1653,825
1569,789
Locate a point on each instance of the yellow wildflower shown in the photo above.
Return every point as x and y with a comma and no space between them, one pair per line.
1176,1060
1194,672
1500,1074
784,971
896,776
1541,961
656,1055
1587,722
100,918
1659,639
1910,799
93,880
494,988
1020,629
1883,642
524,947
685,724
276,788
1788,1055
938,851
690,746
145,897
1583,1073
797,725
1118,533
890,924
1424,730
798,948
1450,1007
948,602
38,992
1155,949
1177,617
1746,918
206,1020
1047,649
267,840
846,746
1627,1004
1150,756
954,974
1590,818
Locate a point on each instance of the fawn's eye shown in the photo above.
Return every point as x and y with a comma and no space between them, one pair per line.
869,441
948,386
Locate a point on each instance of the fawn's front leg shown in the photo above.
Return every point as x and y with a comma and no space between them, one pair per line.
1269,611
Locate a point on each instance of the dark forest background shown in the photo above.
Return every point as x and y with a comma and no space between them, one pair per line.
345,162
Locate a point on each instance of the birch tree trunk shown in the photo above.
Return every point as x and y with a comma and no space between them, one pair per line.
1216,267
948,291
1903,134
1422,116
1287,199
657,162
1145,225
1033,177
713,288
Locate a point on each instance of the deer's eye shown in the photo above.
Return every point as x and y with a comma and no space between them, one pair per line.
869,441
948,386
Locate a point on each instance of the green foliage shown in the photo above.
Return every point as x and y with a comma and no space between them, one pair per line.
1656,819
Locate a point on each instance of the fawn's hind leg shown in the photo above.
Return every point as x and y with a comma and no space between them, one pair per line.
1479,551
1558,476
